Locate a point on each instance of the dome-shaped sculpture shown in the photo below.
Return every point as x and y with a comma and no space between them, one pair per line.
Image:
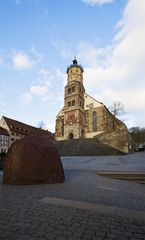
33,160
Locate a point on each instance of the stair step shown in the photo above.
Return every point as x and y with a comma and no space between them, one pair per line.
85,147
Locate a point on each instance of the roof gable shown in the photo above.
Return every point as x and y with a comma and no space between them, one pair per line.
24,128
90,102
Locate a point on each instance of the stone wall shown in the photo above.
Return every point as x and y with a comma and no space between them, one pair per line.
58,126
105,120
101,124
119,139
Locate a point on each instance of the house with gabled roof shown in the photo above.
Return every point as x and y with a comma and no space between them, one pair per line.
4,140
17,129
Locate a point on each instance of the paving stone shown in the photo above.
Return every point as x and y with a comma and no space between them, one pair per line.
61,238
23,214
101,233
97,238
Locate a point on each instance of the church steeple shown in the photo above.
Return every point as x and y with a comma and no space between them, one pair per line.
74,72
75,61
74,113
76,65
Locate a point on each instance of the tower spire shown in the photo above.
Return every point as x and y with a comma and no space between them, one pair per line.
75,60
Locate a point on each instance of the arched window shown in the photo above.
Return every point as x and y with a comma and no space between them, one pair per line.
94,121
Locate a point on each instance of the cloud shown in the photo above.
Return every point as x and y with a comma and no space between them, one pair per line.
48,88
44,72
116,72
92,56
97,2
38,56
22,60
1,59
63,48
39,90
25,98
61,76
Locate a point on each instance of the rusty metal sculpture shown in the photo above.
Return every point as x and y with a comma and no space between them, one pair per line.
33,160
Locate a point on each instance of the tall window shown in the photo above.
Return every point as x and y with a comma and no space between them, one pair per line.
73,103
69,91
94,121
73,89
69,104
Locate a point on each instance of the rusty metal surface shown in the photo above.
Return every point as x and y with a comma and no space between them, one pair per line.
33,160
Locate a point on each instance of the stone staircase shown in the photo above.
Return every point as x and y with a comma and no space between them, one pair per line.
85,147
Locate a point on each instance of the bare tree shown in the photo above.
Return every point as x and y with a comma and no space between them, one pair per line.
117,108
138,134
41,125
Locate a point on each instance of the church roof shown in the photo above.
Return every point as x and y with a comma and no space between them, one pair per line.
91,102
61,112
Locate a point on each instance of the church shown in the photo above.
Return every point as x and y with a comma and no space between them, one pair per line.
84,117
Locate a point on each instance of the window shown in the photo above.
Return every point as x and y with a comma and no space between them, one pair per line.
69,104
94,118
69,90
82,133
73,103
73,89
82,104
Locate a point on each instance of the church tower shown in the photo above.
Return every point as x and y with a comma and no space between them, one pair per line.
74,113
70,122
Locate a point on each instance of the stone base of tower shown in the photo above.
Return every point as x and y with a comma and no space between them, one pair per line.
74,132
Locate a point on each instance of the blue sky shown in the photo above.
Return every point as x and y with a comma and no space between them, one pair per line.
39,39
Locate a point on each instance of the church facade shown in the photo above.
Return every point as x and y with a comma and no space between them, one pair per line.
84,117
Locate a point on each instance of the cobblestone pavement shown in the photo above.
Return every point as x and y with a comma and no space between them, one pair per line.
131,162
85,207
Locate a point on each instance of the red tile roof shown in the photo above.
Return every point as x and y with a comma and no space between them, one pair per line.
26,129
